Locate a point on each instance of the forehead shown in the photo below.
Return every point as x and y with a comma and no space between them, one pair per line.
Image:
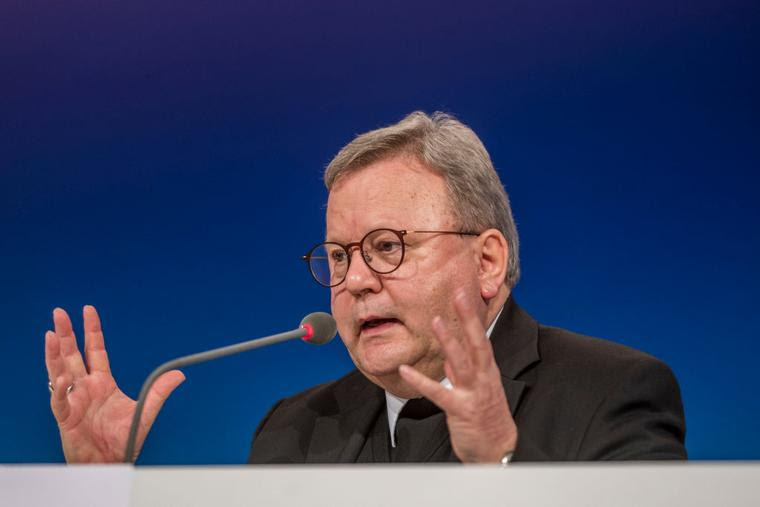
399,193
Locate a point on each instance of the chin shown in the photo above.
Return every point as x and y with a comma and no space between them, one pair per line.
382,360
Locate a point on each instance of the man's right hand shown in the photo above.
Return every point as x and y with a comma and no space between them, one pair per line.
94,415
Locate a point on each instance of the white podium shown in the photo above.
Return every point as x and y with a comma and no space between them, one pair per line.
617,484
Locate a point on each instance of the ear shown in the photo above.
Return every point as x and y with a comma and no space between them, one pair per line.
492,253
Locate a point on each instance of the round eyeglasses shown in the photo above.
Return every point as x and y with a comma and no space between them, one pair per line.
382,250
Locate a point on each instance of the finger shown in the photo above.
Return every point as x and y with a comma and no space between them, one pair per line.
59,402
158,394
450,374
53,359
94,345
456,355
428,388
72,359
476,342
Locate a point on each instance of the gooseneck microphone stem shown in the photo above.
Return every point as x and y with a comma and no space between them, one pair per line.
129,453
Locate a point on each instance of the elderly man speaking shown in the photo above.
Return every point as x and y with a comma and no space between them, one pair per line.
420,257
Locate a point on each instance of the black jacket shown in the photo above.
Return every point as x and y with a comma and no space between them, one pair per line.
572,397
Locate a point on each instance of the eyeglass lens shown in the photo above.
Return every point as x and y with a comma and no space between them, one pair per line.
383,251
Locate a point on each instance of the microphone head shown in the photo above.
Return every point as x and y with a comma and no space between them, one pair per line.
321,328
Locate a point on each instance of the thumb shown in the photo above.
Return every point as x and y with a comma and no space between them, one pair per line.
159,392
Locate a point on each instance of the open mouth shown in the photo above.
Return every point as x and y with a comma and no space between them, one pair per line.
378,324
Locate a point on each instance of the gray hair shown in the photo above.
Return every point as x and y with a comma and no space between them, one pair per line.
446,145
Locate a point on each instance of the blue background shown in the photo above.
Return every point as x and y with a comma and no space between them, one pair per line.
162,161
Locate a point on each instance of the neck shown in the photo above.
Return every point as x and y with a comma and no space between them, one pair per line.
495,304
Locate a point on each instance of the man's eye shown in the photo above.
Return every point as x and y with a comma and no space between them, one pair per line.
387,246
338,256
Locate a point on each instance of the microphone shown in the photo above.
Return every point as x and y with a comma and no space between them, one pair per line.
317,328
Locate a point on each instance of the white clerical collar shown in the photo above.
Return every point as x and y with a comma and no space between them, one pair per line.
394,404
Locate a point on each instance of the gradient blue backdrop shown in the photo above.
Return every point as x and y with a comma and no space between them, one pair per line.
162,160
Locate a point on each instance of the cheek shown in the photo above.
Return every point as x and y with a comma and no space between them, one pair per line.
420,302
342,314
441,288
337,303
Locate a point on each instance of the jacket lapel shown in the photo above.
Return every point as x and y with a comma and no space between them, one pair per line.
515,348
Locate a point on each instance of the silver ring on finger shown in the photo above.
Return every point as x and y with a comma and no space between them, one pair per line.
50,387
69,389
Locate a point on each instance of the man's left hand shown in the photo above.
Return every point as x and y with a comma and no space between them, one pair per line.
480,424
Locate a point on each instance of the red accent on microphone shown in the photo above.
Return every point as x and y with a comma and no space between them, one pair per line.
309,332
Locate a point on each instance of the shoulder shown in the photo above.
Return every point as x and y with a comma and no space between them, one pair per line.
284,434
588,356
326,398
591,370
596,399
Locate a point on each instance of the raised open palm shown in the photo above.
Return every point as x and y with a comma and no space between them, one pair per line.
93,414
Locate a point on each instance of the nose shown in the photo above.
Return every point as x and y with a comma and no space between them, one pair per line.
360,279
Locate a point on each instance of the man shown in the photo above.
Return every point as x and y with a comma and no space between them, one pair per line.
420,256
